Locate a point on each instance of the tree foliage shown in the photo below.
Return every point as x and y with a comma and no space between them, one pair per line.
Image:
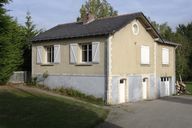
98,8
30,31
11,38
15,44
4,19
184,53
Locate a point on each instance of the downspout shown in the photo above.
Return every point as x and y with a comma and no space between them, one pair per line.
175,66
155,68
109,70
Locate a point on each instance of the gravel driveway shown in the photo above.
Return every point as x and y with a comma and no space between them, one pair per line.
168,112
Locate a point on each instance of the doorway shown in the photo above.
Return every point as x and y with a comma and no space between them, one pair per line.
144,88
122,85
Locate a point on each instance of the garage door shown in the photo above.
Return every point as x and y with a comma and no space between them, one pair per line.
165,86
122,91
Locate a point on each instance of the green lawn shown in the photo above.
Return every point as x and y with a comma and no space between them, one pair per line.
189,87
23,109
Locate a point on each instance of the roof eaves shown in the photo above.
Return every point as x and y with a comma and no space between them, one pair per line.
165,42
70,37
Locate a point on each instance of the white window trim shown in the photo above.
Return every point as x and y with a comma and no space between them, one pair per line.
135,23
86,62
165,56
46,57
145,61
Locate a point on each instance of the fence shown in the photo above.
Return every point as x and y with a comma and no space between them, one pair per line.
20,77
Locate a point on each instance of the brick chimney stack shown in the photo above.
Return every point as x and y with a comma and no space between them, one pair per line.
88,18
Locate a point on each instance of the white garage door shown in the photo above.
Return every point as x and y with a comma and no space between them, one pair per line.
167,87
165,83
122,91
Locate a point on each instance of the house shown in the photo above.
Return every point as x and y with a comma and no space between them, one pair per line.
121,58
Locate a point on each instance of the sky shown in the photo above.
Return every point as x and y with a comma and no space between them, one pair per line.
49,13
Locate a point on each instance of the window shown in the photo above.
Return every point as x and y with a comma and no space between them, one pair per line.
50,53
122,81
135,28
163,79
86,52
145,55
165,56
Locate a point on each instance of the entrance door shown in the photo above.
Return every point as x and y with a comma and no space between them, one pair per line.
144,84
122,91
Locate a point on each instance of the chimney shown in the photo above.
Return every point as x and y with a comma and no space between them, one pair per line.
88,18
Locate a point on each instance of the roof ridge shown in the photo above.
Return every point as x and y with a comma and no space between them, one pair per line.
109,17
69,23
119,15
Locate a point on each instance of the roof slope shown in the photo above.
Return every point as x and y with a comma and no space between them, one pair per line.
102,26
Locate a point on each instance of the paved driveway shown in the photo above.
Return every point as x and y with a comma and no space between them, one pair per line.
168,112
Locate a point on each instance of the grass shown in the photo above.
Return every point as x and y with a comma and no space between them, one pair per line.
73,93
25,109
189,87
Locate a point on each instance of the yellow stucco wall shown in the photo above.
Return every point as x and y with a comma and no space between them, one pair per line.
165,70
64,67
126,48
126,53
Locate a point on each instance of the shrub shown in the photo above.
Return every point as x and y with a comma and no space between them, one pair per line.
74,93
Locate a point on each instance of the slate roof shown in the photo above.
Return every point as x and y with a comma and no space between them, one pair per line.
102,26
98,27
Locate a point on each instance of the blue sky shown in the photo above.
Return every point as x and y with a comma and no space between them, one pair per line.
48,13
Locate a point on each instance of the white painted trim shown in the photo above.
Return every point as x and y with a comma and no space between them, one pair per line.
135,23
155,69
130,74
165,56
109,70
62,74
145,54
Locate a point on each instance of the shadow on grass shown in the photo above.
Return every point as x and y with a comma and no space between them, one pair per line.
28,110
177,99
108,125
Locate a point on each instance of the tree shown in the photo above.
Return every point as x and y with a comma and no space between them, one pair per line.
181,56
185,32
98,8
11,38
10,50
4,19
164,30
30,31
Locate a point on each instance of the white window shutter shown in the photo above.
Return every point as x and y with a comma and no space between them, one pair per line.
73,53
39,54
57,54
165,56
95,52
145,55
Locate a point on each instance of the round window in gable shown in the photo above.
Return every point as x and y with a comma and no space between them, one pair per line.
135,28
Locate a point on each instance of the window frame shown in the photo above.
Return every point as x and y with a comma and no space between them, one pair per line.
88,51
52,57
165,54
142,59
133,28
